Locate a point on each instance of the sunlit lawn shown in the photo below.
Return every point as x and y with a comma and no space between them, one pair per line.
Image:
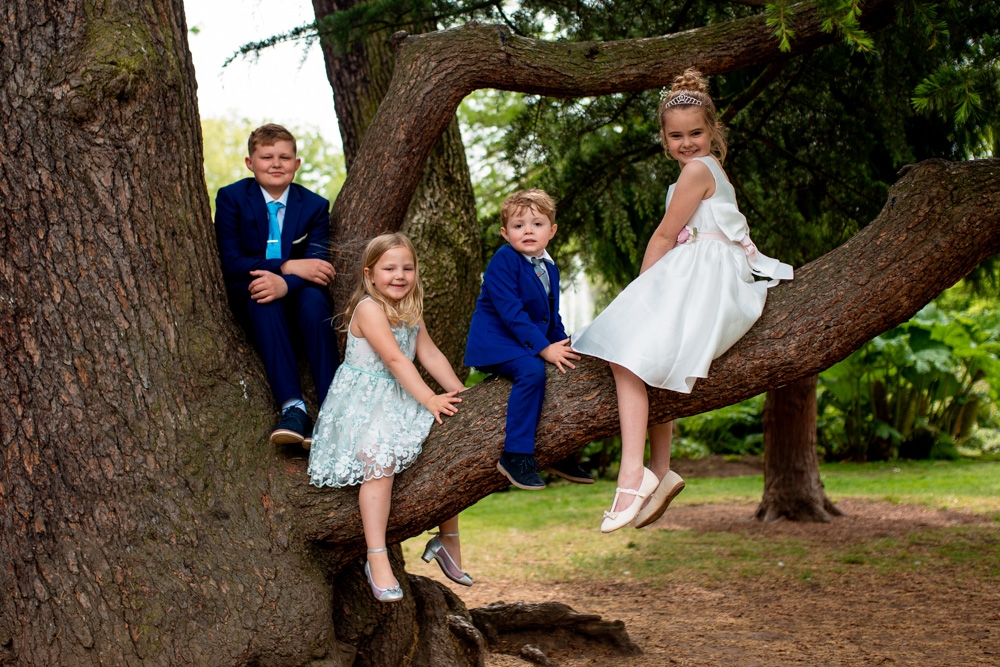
554,535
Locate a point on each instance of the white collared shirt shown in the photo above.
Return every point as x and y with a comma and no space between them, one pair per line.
545,255
283,200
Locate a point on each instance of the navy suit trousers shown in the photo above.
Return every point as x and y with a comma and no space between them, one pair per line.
300,320
524,407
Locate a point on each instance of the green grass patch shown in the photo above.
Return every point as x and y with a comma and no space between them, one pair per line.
554,535
965,485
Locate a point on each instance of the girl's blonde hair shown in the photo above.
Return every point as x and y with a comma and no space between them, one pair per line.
408,310
691,85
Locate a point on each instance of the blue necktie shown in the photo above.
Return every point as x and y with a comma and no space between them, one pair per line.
273,231
541,272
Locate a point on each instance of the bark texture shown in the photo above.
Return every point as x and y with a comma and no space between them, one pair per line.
792,487
441,217
137,519
941,219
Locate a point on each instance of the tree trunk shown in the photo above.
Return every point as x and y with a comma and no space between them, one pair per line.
792,488
441,217
142,521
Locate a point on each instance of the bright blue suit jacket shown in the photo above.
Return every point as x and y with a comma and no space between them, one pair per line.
241,229
514,317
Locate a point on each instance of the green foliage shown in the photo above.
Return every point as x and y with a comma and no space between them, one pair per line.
735,429
915,391
225,147
778,16
967,94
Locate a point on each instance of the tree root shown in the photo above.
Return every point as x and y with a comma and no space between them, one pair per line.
529,630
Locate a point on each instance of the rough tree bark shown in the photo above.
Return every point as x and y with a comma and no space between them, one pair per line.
138,523
441,218
792,487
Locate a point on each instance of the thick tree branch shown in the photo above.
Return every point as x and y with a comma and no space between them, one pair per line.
435,71
941,219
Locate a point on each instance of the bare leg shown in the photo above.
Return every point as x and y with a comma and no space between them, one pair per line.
452,544
660,437
373,498
633,415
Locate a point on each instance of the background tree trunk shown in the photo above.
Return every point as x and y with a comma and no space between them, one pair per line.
792,488
138,517
441,217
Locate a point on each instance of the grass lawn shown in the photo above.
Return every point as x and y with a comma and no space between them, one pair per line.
554,534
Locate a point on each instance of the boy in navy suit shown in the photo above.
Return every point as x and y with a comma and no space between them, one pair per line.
516,328
273,236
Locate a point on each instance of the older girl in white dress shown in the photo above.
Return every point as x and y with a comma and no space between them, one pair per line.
695,296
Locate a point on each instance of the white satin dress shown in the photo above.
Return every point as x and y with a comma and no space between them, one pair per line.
693,304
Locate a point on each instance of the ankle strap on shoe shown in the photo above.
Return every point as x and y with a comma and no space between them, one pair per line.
376,551
446,534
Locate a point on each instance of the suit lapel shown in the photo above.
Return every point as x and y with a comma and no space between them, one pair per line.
553,284
259,208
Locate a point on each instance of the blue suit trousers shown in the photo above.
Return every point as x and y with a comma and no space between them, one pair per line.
301,319
524,407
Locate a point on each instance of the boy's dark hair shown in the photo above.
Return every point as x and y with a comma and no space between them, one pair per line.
523,199
269,135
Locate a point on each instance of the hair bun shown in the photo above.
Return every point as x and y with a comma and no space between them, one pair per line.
691,79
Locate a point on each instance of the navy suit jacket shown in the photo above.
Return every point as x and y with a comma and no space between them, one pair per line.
514,317
241,229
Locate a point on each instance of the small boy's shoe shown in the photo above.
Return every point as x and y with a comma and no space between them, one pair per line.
293,427
307,442
570,470
521,470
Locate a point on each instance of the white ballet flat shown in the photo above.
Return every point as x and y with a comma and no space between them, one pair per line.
615,520
666,490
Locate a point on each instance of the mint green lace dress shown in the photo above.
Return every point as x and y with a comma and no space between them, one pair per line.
369,426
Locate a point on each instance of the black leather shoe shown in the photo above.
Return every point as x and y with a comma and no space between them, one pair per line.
292,429
521,470
570,470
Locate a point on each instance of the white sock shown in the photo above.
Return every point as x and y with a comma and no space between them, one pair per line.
294,403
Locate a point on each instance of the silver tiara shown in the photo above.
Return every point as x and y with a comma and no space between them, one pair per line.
683,98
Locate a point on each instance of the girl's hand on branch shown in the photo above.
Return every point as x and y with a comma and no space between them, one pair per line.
442,404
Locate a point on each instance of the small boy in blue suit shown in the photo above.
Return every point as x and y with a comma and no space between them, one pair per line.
273,238
516,328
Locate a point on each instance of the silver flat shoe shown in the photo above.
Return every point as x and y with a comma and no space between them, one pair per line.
391,594
436,550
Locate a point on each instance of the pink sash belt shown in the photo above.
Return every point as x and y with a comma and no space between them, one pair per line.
760,264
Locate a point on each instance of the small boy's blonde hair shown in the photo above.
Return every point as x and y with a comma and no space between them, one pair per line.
269,135
523,199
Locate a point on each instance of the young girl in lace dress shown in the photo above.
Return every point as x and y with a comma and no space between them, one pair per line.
379,410
695,296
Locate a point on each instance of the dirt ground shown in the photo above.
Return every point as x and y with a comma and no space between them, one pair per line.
924,616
